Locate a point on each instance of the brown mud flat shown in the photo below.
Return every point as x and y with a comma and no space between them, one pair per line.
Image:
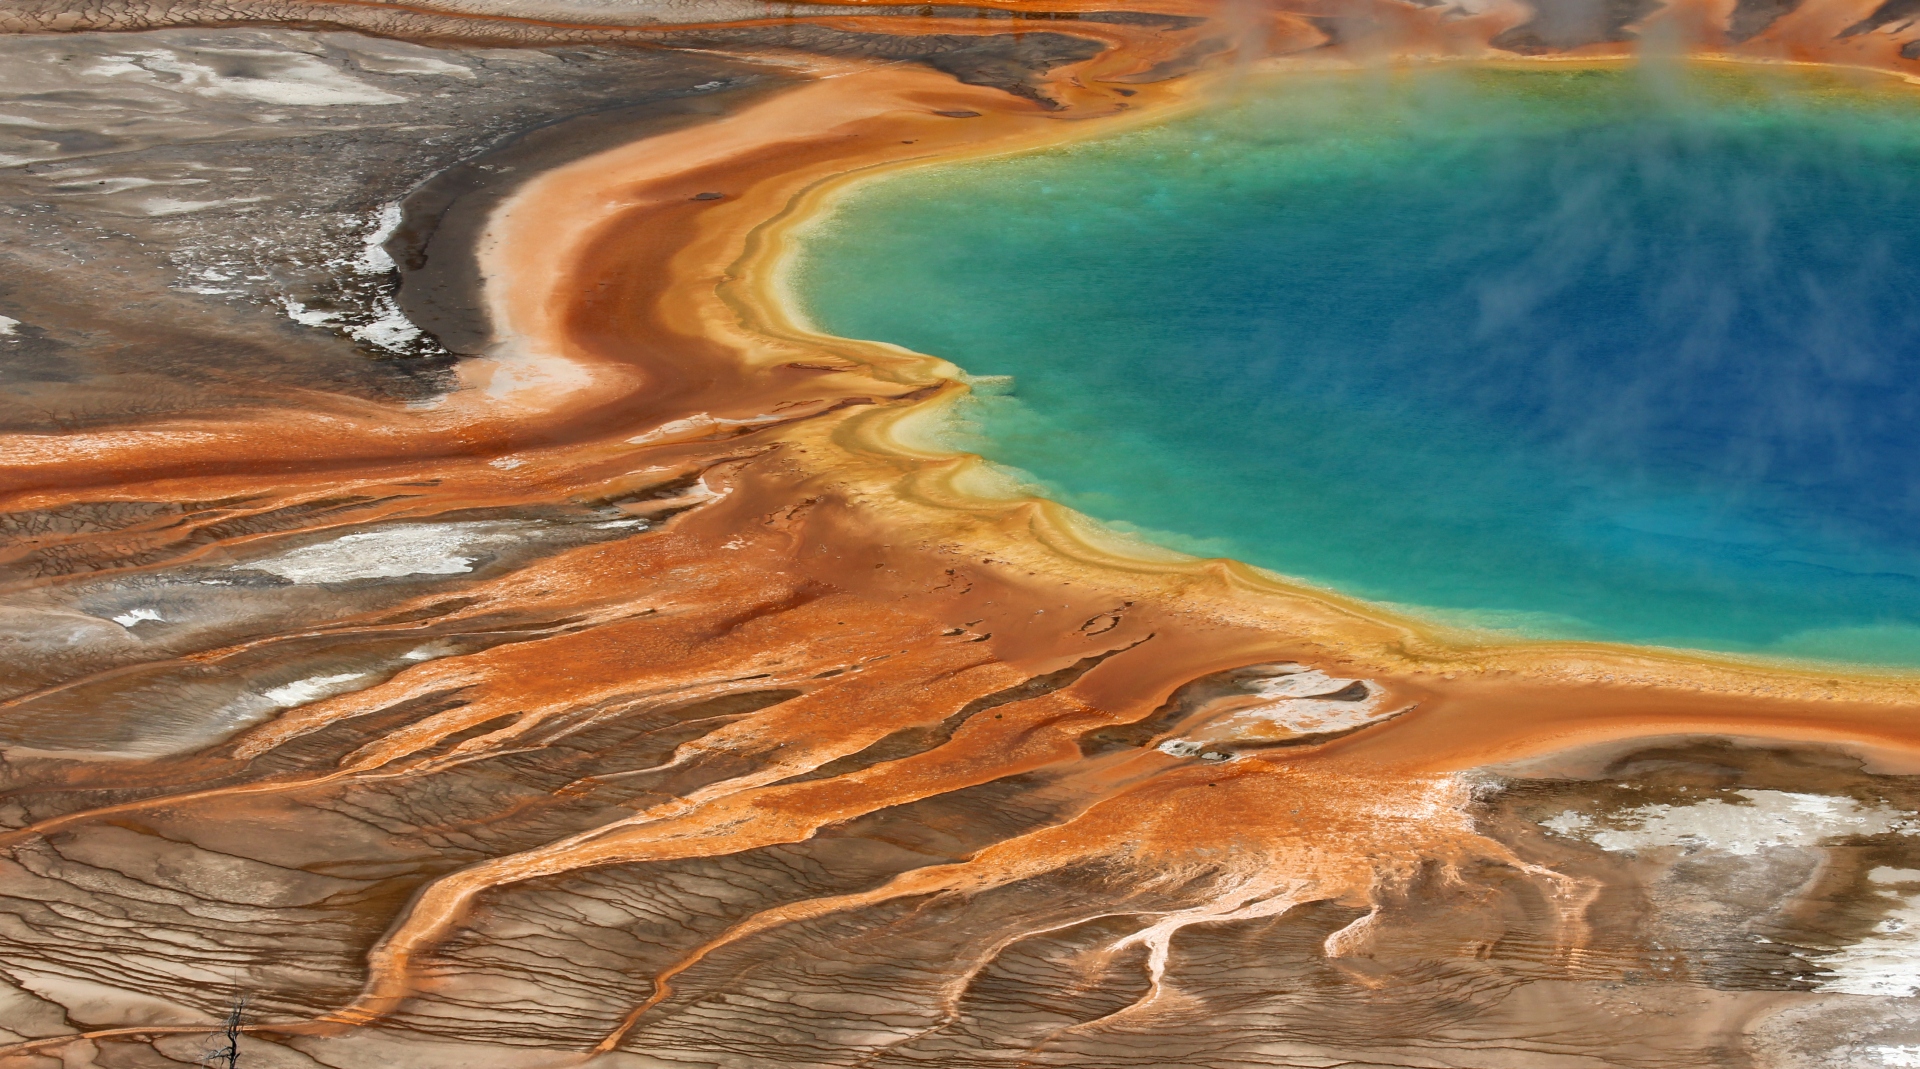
649,699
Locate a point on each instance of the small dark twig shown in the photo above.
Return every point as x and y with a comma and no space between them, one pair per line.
228,1056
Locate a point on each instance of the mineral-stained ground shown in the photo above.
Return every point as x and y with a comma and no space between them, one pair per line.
450,619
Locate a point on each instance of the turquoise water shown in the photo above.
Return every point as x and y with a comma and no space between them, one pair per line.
1597,353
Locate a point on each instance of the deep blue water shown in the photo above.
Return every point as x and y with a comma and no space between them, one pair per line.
1584,353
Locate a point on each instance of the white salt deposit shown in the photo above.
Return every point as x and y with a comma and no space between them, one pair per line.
1298,683
7,326
40,149
1296,702
512,375
430,651
170,206
312,689
1768,819
391,329
250,709
386,553
1309,716
1888,961
1885,963
698,423
373,258
1903,1057
380,56
118,184
306,317
1567,823
134,616
270,77
1283,700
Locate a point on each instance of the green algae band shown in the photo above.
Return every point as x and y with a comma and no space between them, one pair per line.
1607,353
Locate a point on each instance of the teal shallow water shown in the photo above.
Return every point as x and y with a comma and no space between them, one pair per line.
1593,353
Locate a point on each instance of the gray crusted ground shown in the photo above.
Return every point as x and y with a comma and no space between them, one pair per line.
185,214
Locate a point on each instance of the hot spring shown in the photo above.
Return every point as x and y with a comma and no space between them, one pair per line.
1615,352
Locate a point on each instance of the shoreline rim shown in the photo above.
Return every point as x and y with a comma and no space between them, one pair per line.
763,281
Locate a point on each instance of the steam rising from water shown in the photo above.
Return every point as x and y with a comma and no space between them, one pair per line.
1599,353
